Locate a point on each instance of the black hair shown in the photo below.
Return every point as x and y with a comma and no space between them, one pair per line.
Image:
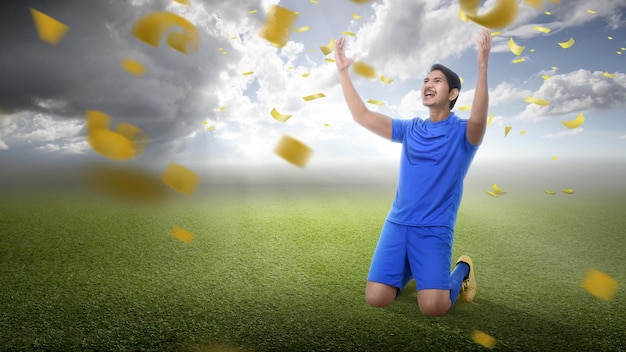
453,79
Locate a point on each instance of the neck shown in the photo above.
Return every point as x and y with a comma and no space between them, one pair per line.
437,115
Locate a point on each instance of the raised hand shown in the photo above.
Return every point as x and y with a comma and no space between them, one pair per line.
341,60
483,40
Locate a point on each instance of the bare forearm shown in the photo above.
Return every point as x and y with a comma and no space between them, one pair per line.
480,105
353,99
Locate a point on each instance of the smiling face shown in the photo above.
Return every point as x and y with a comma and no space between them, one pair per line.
436,92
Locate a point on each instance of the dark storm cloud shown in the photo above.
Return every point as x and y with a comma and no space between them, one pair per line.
83,71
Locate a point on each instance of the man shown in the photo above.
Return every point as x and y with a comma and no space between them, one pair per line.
416,239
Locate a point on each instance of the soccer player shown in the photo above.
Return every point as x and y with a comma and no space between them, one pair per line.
416,238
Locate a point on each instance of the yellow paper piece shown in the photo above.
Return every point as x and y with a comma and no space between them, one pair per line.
515,49
568,44
153,26
327,49
522,132
463,16
182,235
314,2
517,61
349,33
532,100
278,116
501,15
554,68
461,79
356,17
575,123
252,11
360,2
492,194
493,34
326,125
210,128
537,4
568,191
591,12
278,25
133,67
385,80
483,339
532,50
365,70
303,29
599,285
490,120
545,77
305,75
205,122
465,107
222,108
609,75
180,179
126,142
610,38
548,13
542,29
183,2
329,59
293,151
49,30
313,96
497,189
248,73
554,158
550,192
507,129
376,102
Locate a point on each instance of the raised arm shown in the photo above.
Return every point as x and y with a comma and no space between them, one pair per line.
376,122
477,123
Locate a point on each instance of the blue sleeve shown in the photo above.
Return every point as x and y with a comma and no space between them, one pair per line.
398,128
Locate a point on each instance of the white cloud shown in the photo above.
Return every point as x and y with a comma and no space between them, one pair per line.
568,133
44,128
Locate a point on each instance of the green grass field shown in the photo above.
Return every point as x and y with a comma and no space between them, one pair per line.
285,270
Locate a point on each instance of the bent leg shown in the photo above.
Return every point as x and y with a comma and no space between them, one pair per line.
433,302
379,295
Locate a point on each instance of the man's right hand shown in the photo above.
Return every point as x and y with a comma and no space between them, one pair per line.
340,55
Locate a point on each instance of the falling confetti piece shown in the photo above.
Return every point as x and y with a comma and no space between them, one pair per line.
153,26
619,52
303,29
568,191
222,108
293,151
591,12
575,123
329,59
248,73
554,158
326,125
515,49
492,194
365,70
205,122
133,67
49,30
537,4
532,100
517,61
522,132
497,189
125,182
211,128
349,33
609,75
305,75
183,2
568,44
548,13
507,129
278,25
252,11
550,192
356,17
483,339
360,2
545,77
461,79
465,108
180,179
599,284
463,16
542,29
327,49
554,68
385,80
314,2
278,116
376,102
490,120
493,34
313,96
501,15
610,38
182,235
532,50
126,142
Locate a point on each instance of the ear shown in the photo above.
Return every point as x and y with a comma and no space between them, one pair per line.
454,93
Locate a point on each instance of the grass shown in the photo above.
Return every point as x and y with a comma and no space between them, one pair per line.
285,271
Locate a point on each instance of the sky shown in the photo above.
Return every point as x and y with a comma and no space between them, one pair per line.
200,110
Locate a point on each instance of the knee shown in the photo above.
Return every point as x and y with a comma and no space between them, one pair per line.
377,300
379,295
434,308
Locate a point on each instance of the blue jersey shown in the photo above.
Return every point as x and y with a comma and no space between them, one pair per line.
435,159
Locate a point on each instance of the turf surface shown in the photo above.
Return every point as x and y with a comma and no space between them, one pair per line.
284,270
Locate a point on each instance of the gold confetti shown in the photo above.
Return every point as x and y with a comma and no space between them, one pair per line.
180,179
386,80
305,75
329,59
548,13
360,2
490,120
349,33
492,194
182,235
252,11
183,2
501,15
248,73
278,25
517,61
609,75
293,151
575,123
542,29
365,70
515,49
222,108
537,4
205,122
522,132
550,192
303,29
278,116
619,52
49,30
532,100
554,68
568,191
554,158
555,1
126,142
314,2
376,102
356,17
465,107
568,44
461,79
326,125
599,284
153,26
313,96
133,67
532,50
327,49
507,129
591,12
610,38
210,128
463,16
483,339
493,34
545,77
497,189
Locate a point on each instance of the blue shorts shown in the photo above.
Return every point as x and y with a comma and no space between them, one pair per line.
402,252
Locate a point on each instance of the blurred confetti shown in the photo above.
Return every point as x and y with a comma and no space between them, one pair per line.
599,285
182,235
293,151
152,27
180,179
483,339
49,30
278,25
